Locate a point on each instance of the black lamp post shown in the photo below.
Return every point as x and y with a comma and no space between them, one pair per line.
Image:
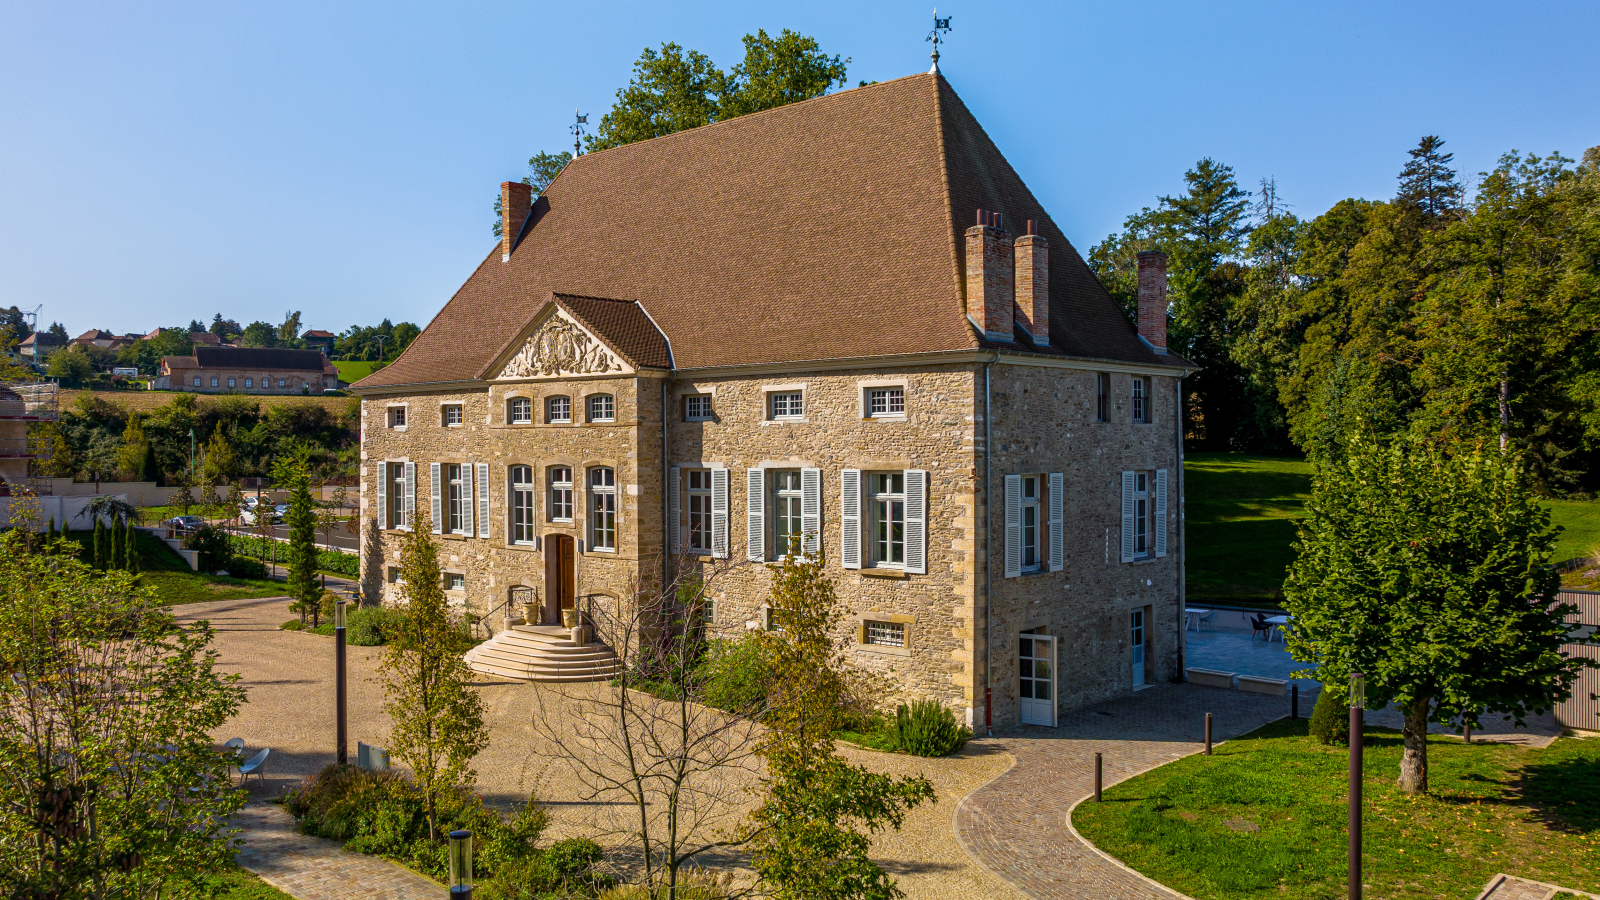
461,865
1358,705
342,749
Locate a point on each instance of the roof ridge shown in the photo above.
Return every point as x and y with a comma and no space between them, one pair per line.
939,84
745,117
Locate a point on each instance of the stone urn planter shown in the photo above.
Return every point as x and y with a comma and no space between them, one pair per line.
569,618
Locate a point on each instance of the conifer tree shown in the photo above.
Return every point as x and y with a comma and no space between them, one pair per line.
1427,183
114,544
130,555
290,472
99,544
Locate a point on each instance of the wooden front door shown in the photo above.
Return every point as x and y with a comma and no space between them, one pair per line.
560,570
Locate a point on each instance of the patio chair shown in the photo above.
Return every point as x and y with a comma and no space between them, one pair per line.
256,766
237,746
1258,625
1206,621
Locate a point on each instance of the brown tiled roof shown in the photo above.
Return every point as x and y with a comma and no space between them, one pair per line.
316,333
259,358
626,326
179,362
204,337
831,228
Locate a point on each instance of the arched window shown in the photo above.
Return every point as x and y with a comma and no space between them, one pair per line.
602,408
602,509
522,489
519,411
558,410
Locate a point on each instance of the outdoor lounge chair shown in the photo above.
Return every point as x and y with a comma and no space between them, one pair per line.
1258,625
237,746
1206,621
255,766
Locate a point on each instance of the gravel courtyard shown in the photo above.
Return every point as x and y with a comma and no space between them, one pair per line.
289,680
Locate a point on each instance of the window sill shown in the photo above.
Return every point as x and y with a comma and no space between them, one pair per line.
1144,560
801,420
882,650
602,421
884,572
560,521
602,550
701,419
890,417
397,428
525,546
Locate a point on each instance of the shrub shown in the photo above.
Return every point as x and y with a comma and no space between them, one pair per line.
367,626
693,884
737,674
293,625
383,813
1330,718
213,546
245,567
927,728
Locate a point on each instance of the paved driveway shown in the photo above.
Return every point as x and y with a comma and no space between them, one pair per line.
1016,825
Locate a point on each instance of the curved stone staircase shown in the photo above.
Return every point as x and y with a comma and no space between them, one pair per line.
543,653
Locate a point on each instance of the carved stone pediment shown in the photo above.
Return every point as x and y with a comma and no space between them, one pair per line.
560,347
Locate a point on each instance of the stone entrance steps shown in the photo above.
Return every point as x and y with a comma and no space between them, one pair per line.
542,653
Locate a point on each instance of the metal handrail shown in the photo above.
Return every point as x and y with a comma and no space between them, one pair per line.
506,604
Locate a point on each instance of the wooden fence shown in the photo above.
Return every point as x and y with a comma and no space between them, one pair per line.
1582,710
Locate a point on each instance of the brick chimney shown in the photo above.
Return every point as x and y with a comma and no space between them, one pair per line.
516,201
991,288
1033,284
1153,299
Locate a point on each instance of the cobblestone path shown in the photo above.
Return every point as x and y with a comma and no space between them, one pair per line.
313,868
1016,825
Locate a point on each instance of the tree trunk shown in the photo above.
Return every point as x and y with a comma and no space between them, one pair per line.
1505,411
1414,763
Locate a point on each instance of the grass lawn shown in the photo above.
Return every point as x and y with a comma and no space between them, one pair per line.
1242,514
353,371
174,582
238,884
1493,808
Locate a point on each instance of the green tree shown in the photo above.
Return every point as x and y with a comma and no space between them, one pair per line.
220,462
810,835
1429,572
289,331
71,366
1427,183
259,334
110,782
290,474
99,538
135,452
226,329
436,717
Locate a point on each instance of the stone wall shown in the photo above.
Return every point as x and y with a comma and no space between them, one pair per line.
183,380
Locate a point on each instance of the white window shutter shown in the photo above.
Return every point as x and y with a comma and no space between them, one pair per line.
1058,538
755,514
719,513
383,495
468,499
1013,526
435,496
1161,512
810,511
408,497
1128,513
850,518
672,509
916,521
483,500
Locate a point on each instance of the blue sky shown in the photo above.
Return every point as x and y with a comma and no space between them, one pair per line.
166,161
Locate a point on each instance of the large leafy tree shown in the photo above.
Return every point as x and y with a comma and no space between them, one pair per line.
436,717
110,783
1429,572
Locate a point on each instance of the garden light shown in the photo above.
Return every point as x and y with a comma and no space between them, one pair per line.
461,865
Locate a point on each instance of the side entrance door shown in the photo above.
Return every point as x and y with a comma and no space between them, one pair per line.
1036,666
560,564
1136,641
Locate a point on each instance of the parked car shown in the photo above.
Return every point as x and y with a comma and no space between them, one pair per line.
249,514
184,524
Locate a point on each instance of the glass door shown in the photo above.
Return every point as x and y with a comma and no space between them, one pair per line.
1136,641
1036,668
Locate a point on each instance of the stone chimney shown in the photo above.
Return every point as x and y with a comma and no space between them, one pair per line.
1033,284
1153,299
516,201
991,286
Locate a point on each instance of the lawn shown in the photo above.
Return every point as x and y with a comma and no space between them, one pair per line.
352,371
1493,808
237,884
1242,513
174,582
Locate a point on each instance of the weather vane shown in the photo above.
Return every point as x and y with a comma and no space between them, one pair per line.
577,131
940,27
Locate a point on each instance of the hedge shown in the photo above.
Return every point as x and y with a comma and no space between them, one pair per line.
327,560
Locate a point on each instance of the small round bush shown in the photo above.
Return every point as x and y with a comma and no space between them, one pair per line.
292,625
245,567
1330,718
927,728
213,546
737,674
366,627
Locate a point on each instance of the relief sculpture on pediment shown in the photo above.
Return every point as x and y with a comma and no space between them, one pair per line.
560,347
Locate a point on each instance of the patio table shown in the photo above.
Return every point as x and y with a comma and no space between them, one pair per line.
1278,623
1192,617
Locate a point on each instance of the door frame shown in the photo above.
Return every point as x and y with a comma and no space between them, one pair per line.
1055,678
557,549
1144,647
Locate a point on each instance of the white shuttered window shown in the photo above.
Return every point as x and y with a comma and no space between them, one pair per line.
1058,536
719,513
483,500
916,522
435,478
1130,515
755,514
674,510
850,518
383,495
468,506
1161,512
408,498
1013,547
811,510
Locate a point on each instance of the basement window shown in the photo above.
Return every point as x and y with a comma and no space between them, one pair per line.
885,634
